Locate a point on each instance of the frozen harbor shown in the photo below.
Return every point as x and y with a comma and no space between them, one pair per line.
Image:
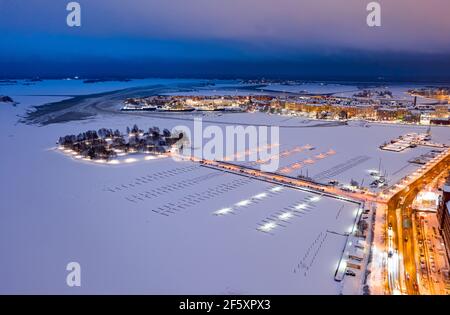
161,226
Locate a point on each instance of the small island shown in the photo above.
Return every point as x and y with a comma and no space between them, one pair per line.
106,144
7,99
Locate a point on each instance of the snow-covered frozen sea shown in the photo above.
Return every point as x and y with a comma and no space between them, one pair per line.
150,227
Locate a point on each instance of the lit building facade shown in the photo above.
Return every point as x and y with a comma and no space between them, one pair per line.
443,216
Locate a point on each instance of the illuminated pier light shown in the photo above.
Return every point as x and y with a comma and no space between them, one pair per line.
285,216
260,196
268,226
300,206
243,203
277,188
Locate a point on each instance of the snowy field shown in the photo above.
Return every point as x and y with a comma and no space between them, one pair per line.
153,226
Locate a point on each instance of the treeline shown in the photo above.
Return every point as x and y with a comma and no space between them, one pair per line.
106,143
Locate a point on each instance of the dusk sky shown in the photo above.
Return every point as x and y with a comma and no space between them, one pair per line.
215,38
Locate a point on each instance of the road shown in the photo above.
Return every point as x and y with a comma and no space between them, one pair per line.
400,226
